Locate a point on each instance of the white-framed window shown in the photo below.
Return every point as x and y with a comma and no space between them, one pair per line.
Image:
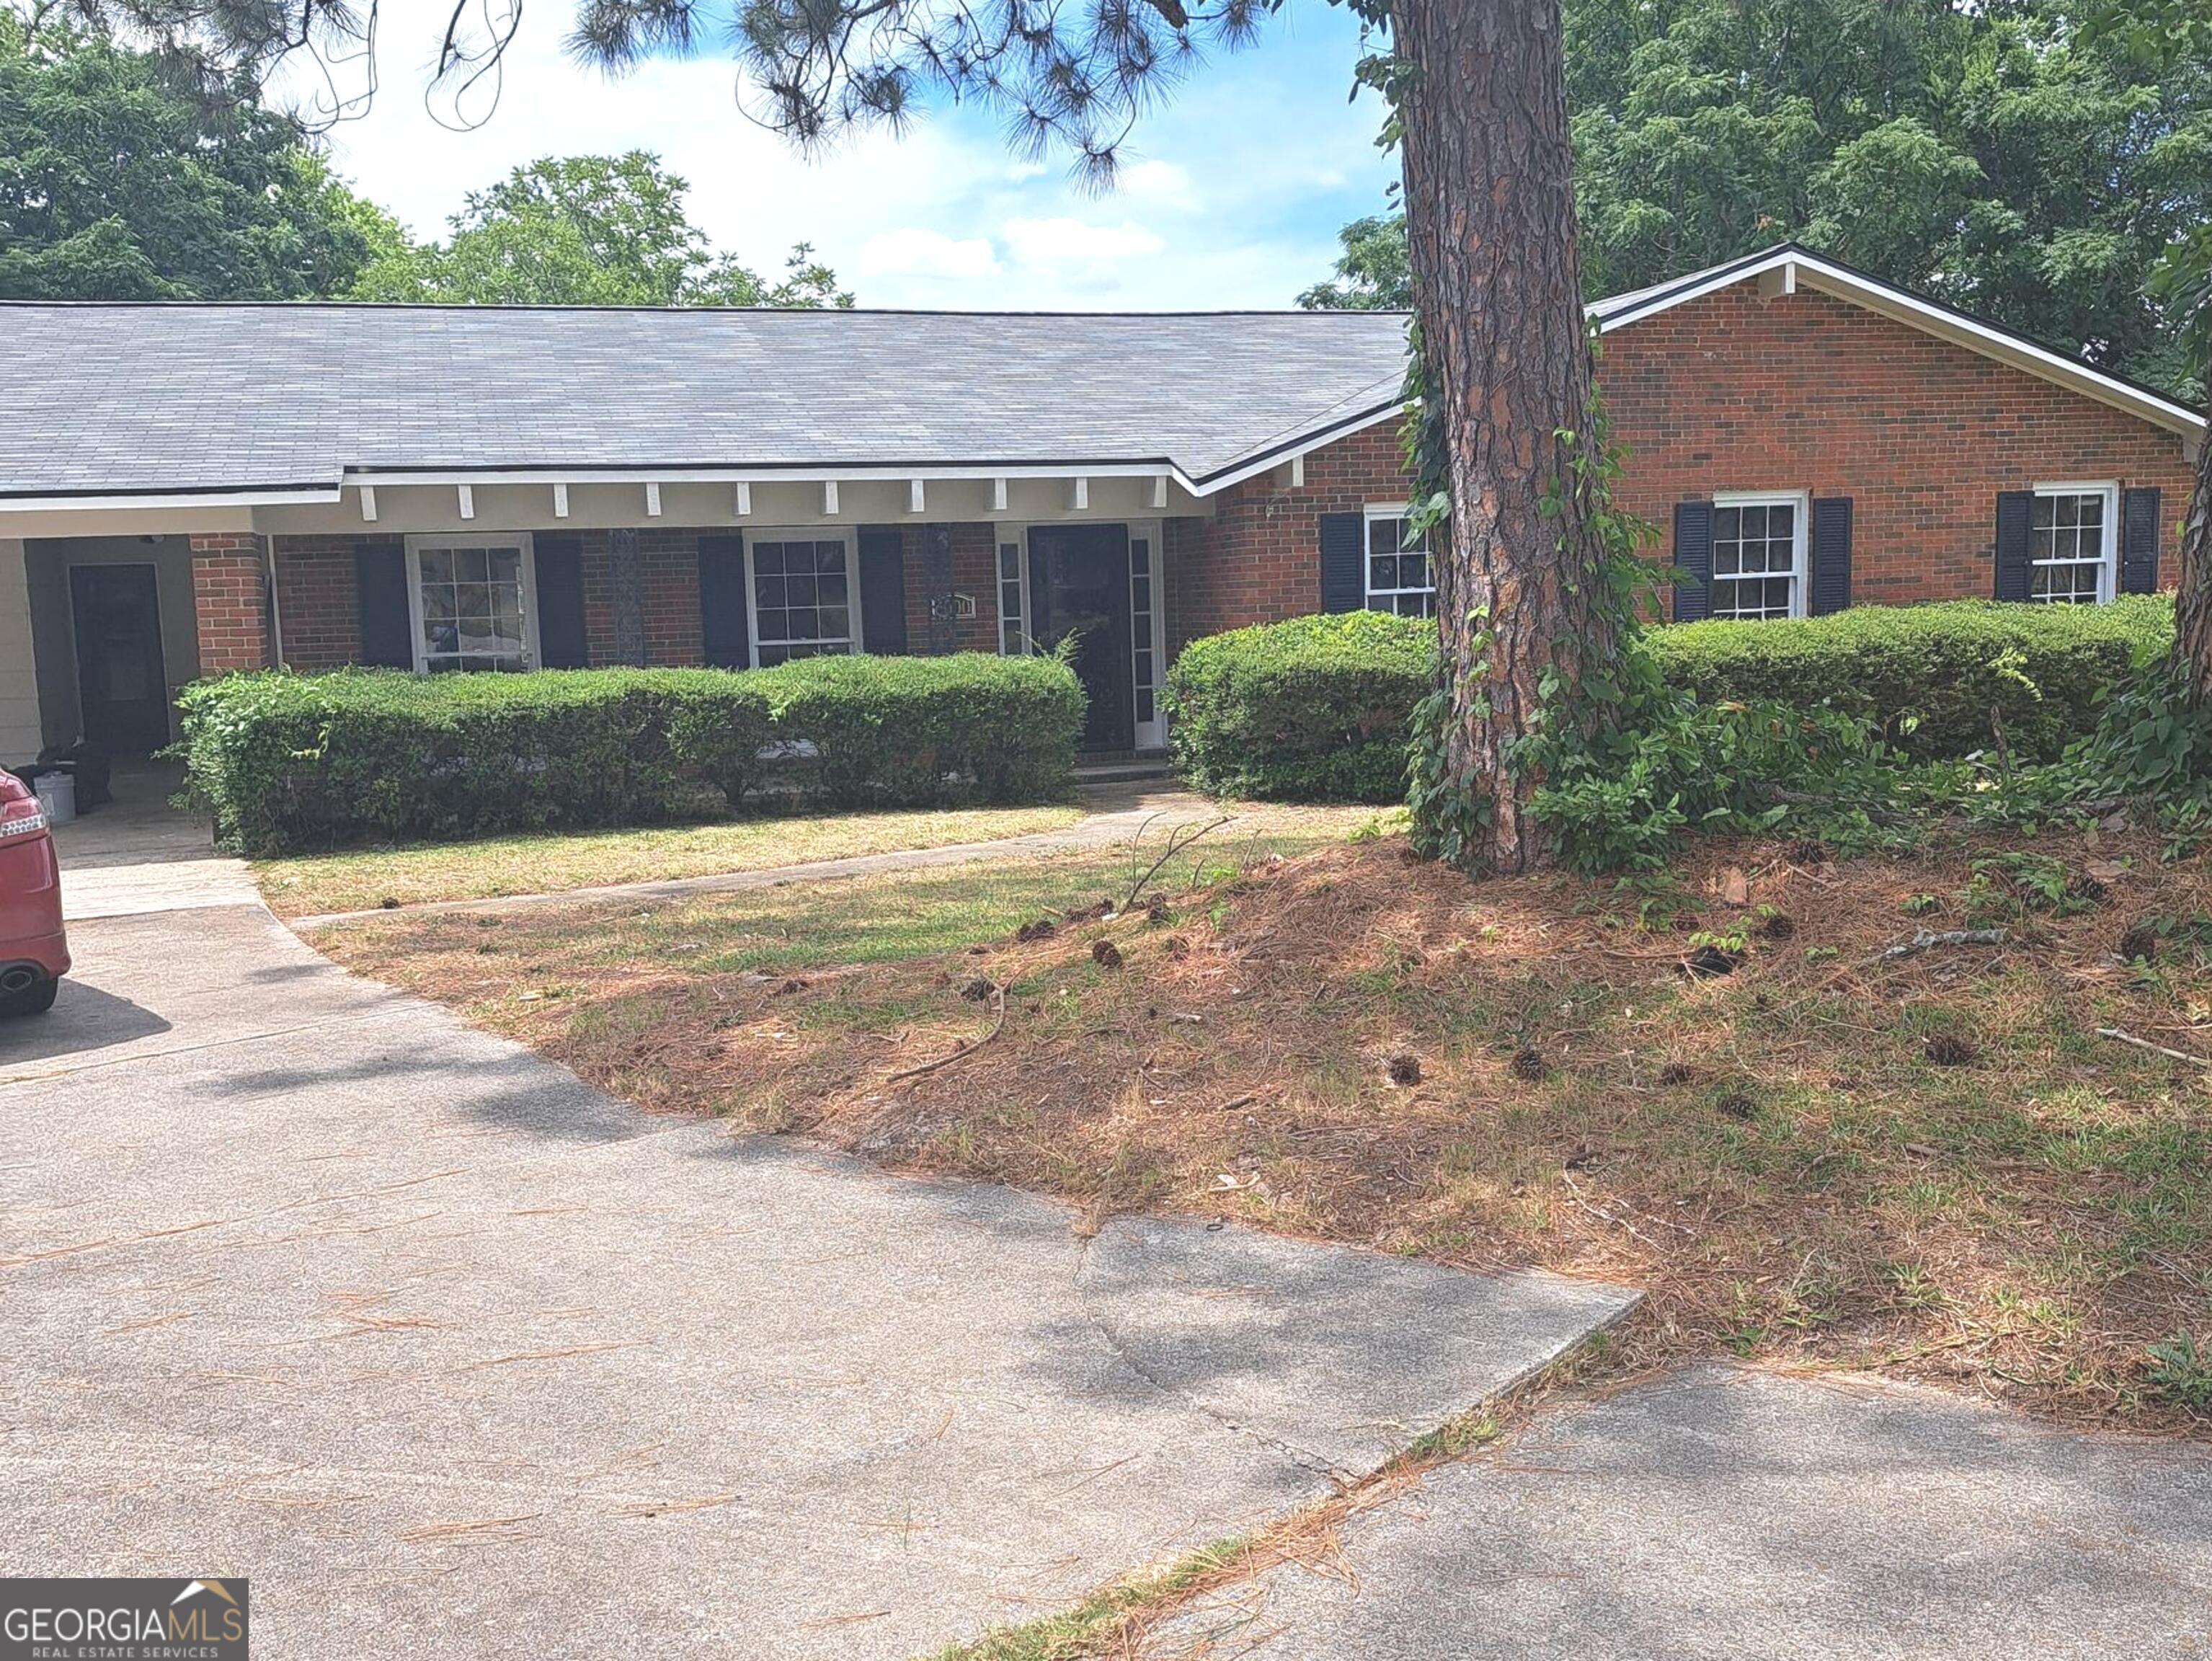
804,598
1145,674
1758,553
1013,593
2073,543
1399,575
472,601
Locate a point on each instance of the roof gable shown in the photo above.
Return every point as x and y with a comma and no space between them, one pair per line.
1780,270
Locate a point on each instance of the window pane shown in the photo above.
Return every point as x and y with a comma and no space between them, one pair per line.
1727,524
1010,561
1400,578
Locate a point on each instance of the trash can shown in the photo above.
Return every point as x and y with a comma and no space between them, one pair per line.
57,795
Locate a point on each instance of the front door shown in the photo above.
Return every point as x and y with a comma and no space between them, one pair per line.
121,685
1079,589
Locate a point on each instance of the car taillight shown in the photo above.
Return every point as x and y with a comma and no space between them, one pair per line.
22,818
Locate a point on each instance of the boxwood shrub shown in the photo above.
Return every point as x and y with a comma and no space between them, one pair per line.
1317,708
288,761
1313,709
1936,680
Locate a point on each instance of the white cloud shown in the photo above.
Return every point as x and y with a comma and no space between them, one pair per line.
912,251
1162,182
1050,242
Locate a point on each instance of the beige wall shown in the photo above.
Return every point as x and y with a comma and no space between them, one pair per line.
49,564
19,686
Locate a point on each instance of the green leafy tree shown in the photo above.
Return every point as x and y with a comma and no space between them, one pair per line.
1373,274
583,230
2161,34
125,175
1998,157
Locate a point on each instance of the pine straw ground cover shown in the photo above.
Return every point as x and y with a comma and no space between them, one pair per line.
1931,1164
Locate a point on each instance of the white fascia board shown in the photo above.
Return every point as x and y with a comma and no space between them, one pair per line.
449,477
1929,318
108,504
1296,449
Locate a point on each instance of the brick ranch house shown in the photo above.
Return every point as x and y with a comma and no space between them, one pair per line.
190,488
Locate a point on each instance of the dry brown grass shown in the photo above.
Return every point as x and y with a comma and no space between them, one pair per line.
1774,1153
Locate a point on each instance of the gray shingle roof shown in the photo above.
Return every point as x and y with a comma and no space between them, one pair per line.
115,398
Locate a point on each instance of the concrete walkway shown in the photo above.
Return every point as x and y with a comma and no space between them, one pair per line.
138,854
1730,1513
1115,813
305,1281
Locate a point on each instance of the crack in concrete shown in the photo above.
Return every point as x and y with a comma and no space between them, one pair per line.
1304,1458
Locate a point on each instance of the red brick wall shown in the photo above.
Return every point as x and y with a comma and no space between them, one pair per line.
671,559
1810,392
1730,393
1257,559
315,587
230,602
974,574
316,602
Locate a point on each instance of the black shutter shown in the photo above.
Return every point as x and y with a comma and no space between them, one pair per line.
883,590
1343,561
1832,556
559,563
722,630
2015,513
2139,531
379,582
1693,555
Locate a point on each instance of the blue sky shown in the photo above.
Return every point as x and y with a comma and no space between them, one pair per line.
1232,195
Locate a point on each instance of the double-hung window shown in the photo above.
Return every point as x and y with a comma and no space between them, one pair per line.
2072,544
1401,577
471,602
802,598
1758,555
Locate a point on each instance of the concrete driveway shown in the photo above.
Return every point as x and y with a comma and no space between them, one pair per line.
305,1281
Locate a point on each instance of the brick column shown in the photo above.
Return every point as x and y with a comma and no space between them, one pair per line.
230,600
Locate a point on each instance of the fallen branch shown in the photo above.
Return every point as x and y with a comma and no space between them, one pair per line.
1926,939
1177,842
999,1026
2118,1037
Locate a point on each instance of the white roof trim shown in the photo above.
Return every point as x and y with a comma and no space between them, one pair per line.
1292,450
1800,266
71,504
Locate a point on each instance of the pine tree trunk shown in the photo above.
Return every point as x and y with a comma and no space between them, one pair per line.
1490,219
2192,599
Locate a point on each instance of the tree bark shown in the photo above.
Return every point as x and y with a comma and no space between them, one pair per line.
2192,599
1490,219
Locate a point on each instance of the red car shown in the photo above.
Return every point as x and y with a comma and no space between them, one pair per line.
33,951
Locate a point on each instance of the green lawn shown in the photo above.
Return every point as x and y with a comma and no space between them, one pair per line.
363,879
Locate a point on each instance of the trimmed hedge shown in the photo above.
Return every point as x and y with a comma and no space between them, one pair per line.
1313,709
1317,708
289,761
1929,676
